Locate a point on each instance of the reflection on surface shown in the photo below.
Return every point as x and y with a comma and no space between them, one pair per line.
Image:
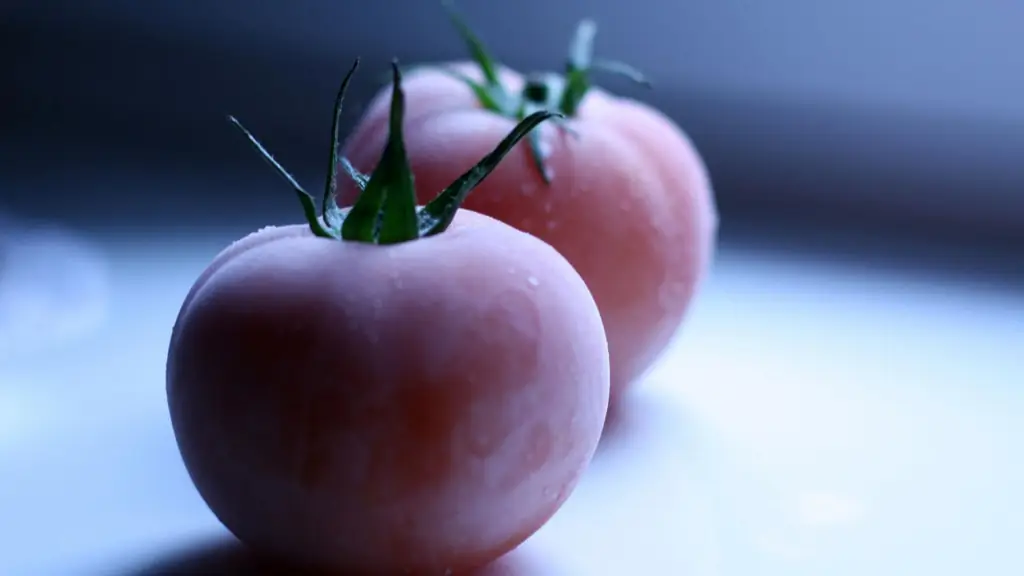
53,286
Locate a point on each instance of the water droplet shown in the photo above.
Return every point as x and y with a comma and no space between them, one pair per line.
551,224
563,493
528,189
483,445
670,295
533,281
547,207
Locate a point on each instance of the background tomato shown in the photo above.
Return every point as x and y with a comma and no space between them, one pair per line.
625,198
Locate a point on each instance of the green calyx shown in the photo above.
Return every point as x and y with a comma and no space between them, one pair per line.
386,211
562,93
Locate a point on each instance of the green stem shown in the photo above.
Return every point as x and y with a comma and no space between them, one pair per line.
562,93
491,92
437,215
355,175
397,222
329,203
581,62
488,65
385,211
305,198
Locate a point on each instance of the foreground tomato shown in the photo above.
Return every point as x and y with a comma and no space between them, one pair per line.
389,389
619,191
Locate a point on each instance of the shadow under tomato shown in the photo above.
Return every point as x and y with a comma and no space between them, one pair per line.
644,419
228,557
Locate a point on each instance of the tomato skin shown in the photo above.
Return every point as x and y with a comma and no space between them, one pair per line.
422,406
629,204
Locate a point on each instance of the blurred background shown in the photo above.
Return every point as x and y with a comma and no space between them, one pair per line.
868,298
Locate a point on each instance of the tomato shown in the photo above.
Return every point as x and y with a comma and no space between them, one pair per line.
618,189
392,388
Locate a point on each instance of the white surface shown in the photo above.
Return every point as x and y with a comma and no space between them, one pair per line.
812,419
53,286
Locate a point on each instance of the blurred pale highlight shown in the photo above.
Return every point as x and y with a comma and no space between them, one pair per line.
54,286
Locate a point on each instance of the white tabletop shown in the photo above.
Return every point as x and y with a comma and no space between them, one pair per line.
811,419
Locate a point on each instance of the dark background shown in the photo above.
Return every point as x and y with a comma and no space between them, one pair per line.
888,126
